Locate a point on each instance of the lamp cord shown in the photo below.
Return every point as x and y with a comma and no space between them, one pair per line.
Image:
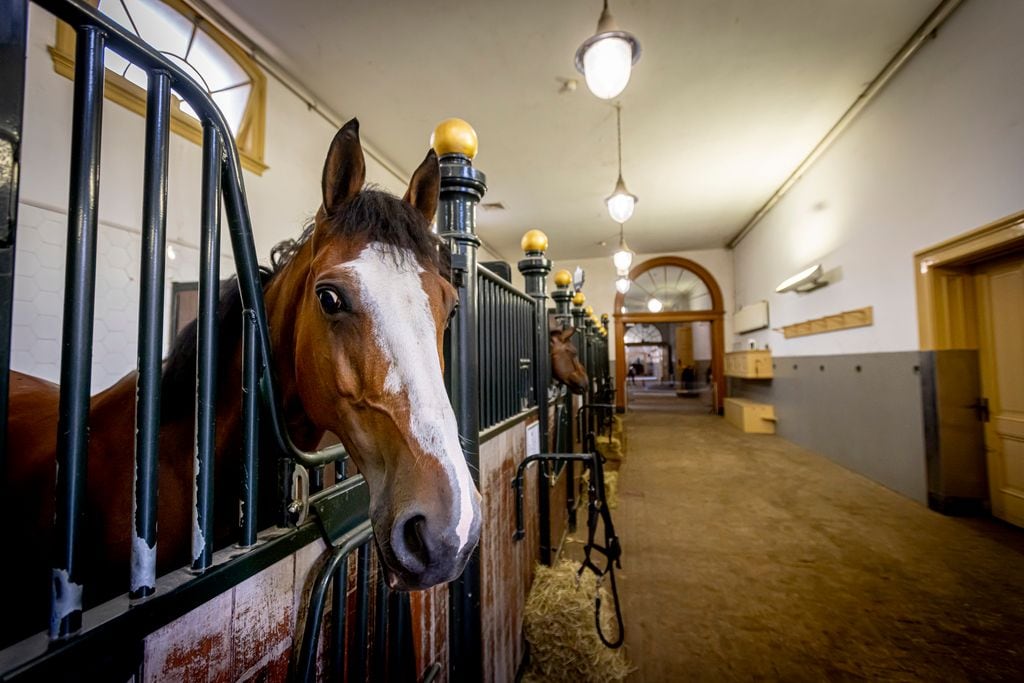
618,132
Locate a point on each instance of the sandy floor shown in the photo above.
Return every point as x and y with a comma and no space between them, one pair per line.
746,557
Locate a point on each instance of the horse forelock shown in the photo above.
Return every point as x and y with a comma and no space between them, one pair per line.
379,217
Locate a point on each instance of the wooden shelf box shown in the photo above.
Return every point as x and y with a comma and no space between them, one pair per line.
749,364
749,416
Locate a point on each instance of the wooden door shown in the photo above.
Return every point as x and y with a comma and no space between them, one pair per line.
1000,295
684,345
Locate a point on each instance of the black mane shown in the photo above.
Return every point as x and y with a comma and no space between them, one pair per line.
373,215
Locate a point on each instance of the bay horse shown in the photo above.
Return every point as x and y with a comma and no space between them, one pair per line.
357,309
565,364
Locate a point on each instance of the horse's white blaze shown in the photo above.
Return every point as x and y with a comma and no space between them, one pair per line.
405,332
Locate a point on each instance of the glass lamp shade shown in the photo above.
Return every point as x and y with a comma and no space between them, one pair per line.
620,206
653,305
622,285
621,202
607,65
622,259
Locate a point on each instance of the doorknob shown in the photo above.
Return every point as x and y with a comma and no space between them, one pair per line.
980,407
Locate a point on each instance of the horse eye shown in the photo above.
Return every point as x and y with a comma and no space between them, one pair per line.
331,301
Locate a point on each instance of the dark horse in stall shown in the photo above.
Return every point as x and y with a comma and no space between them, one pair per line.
357,311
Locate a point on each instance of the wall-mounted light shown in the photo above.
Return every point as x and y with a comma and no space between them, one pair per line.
653,305
606,58
622,285
804,281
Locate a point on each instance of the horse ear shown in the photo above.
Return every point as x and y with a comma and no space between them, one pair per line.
345,167
425,186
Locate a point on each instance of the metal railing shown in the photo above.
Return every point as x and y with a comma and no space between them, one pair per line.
507,349
166,597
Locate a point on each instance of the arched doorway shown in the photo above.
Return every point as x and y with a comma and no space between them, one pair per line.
671,289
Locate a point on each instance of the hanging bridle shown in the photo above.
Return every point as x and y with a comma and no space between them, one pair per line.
597,510
597,507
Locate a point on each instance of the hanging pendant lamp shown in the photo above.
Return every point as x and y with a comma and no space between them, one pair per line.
606,58
623,258
621,202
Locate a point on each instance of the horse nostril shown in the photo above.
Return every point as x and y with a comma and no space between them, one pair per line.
413,552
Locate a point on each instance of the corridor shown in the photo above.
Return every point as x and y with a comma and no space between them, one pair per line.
747,557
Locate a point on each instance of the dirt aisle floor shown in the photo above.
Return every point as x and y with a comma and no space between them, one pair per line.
746,557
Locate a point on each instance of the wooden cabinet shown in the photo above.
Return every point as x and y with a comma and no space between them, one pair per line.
749,364
751,417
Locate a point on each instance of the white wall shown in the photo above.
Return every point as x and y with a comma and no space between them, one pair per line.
940,152
280,202
600,279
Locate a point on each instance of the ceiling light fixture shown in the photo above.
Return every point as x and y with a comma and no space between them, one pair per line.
606,58
623,258
622,285
621,202
653,305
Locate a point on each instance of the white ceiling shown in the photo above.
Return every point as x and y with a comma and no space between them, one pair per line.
727,99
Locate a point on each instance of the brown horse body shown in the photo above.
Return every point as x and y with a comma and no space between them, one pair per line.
338,367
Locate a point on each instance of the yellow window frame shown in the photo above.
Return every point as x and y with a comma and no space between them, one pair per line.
118,89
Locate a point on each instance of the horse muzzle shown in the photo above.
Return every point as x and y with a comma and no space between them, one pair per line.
422,552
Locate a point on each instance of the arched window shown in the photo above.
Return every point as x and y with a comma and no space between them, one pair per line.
643,334
667,288
228,74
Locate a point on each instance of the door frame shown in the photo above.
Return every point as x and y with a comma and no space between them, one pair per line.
948,310
715,315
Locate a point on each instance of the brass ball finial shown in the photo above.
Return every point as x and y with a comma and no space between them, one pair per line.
534,240
578,299
604,318
589,310
563,278
454,136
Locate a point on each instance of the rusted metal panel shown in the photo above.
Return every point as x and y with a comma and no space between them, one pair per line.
196,647
263,619
507,566
430,629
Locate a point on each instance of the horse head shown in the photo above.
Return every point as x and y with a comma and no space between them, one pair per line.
370,315
565,366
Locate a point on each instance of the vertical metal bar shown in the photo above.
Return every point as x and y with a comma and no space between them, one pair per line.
483,335
250,431
488,348
151,329
535,268
395,636
76,351
13,30
338,605
379,672
504,329
462,188
206,363
357,667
